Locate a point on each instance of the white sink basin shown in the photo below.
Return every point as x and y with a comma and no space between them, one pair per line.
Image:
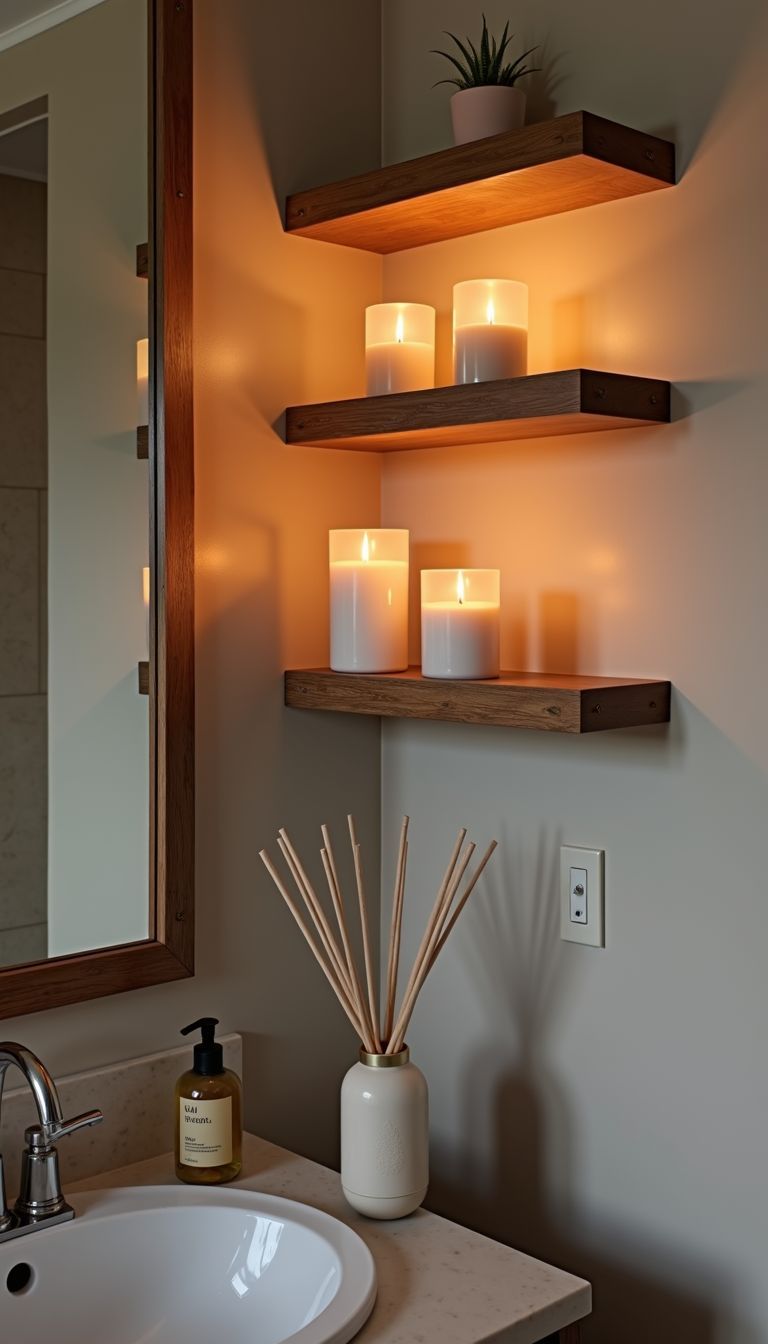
176,1265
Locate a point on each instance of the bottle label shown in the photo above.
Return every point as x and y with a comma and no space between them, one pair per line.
205,1132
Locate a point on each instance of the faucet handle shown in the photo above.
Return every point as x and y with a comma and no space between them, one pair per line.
42,1136
61,1128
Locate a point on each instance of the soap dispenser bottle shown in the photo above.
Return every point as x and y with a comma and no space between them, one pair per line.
208,1114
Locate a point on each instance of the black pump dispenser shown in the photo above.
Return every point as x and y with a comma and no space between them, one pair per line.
208,1054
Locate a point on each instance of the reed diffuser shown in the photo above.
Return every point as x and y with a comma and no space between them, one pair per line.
384,1109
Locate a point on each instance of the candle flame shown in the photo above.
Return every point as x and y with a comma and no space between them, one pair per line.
366,549
490,312
460,587
400,329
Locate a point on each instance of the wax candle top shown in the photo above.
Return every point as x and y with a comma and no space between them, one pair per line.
490,303
399,324
368,546
460,588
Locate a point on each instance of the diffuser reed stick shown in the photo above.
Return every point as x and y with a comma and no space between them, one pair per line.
395,931
358,993
367,956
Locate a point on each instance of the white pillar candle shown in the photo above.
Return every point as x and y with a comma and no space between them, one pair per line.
460,619
490,330
399,347
369,599
142,382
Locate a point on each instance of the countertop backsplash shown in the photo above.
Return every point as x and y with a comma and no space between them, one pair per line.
136,1096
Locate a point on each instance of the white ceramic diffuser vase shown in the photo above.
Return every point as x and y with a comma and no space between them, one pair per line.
486,109
384,1135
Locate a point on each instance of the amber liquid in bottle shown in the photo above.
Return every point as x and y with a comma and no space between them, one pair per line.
208,1116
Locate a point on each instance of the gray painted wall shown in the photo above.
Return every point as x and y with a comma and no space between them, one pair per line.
606,1109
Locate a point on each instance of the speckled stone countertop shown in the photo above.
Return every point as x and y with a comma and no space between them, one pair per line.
436,1281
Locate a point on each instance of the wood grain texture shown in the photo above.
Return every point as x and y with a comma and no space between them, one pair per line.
169,953
90,975
568,401
563,164
142,261
552,703
172,634
143,670
142,442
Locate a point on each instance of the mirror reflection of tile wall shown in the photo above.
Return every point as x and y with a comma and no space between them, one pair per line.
23,566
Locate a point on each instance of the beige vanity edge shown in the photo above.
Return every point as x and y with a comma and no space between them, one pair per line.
436,1280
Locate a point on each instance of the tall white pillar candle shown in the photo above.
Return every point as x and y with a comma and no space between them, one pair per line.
369,599
460,619
490,330
399,347
142,382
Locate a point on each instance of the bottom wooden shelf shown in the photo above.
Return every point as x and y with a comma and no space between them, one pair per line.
553,703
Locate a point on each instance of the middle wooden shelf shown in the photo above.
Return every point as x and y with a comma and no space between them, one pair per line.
549,702
567,401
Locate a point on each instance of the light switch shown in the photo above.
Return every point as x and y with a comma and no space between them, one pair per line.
578,888
582,895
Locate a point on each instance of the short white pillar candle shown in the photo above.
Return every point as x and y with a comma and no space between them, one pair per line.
142,382
399,347
369,599
460,619
490,330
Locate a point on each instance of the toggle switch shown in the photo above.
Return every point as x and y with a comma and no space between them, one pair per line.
578,884
581,895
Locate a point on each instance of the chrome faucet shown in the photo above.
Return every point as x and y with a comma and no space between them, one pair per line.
40,1202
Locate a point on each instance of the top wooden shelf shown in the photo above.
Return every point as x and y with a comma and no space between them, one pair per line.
546,169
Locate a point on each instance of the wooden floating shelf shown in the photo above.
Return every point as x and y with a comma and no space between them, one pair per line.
144,678
570,401
142,442
559,165
550,703
142,261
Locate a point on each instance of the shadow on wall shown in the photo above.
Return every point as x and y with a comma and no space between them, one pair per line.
517,969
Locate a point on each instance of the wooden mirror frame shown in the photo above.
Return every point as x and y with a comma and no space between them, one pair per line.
168,954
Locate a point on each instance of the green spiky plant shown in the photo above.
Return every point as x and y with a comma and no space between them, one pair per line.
486,66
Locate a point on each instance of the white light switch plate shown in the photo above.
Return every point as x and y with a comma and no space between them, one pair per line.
582,895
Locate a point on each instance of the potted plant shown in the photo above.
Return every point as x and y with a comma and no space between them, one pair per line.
488,101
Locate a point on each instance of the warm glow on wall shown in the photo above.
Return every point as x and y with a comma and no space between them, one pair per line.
145,591
142,382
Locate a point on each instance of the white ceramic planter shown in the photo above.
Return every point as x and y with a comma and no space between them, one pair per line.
488,109
384,1136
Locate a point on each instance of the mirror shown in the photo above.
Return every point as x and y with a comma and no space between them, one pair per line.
95,500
